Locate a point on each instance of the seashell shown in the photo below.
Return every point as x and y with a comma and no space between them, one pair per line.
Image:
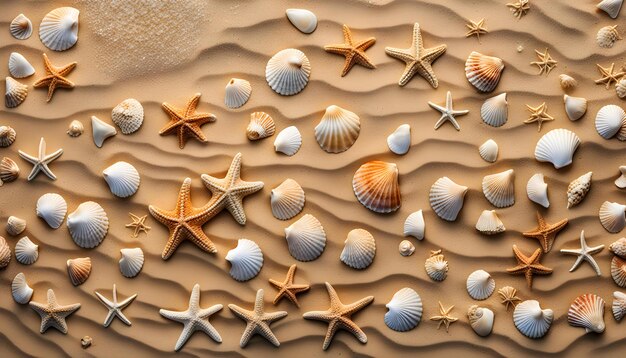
303,20
620,182
287,72
405,310
376,186
86,342
359,249
7,136
78,270
21,27
246,260
406,248
52,208
287,200
567,82
261,126
499,189
237,93
481,320
5,253
338,129
59,28
88,224
288,141
575,107
609,120
619,305
612,216
399,141
75,129
480,285
483,72
494,110
19,67
607,36
557,147
15,225
131,262
578,189
489,151
26,252
611,7
620,88
123,179
446,198
537,190
15,93
9,171
20,290
489,223
508,296
587,311
306,238
414,225
618,271
436,266
531,320
621,134
101,131
619,247
128,115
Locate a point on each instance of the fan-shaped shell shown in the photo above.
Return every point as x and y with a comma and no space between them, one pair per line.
578,189
414,225
88,224
537,190
480,285
489,151
619,247
575,107
261,126
406,248
7,136
287,72
5,253
26,251
499,188
620,182
128,115
52,208
287,200
78,270
376,186
436,266
101,131
338,129
306,238
238,92
483,71
567,82
531,320
15,93
19,67
607,36
618,271
611,7
21,27
609,120
446,198
587,311
20,290
489,223
75,128
15,225
557,147
288,141
123,179
59,28
481,320
405,310
495,110
621,134
131,262
612,216
619,305
620,88
399,142
359,249
303,20
9,171
246,260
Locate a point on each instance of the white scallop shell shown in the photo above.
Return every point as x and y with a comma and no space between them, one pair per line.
557,147
287,72
620,88
619,305
123,179
20,290
618,271
609,120
287,200
288,141
607,36
131,262
446,198
399,142
489,151
481,320
7,136
406,248
78,270
261,126
26,252
620,182
537,190
612,216
480,285
237,93
15,225
19,67
15,93
587,311
246,260
405,310
88,224
128,115
531,320
567,82
5,253
436,266
611,7
578,189
483,71
52,208
499,188
359,249
59,28
338,129
489,223
575,107
306,238
75,128
21,27
303,20
414,225
375,185
494,110
101,131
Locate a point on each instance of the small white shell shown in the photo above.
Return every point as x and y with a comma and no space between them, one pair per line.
405,310
20,290
446,198
612,216
609,120
131,262
26,252
306,238
237,93
618,271
531,320
375,185
101,131
288,141
620,182
5,253
52,208
123,179
480,285
128,115
287,200
75,128
489,151
481,320
537,190
399,142
489,223
19,67
483,72
21,27
494,110
287,72
303,20
15,225
567,82
499,188
261,126
436,266
611,7
59,28
338,129
575,107
620,88
406,248
78,270
619,305
88,224
246,260
359,249
578,189
414,225
7,136
587,311
607,36
15,93
619,247
557,147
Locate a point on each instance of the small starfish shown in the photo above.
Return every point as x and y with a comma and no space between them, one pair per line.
546,233
194,319
444,317
476,28
55,77
546,63
417,58
528,265
186,122
115,308
519,8
52,314
287,287
539,115
354,52
40,163
138,225
608,76
257,321
508,295
448,113
585,254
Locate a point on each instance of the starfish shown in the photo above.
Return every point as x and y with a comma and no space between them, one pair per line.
448,113
186,122
519,8
115,308
444,317
287,287
138,225
585,254
257,321
508,295
52,314
476,28
539,115
546,233
339,316
546,63
40,163
354,52
55,77
528,265
417,58
194,319
608,76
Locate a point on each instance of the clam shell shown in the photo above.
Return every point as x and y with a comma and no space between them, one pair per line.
607,36
59,28
246,260
578,189
480,285
101,131
19,67
567,82
405,310
587,311
9,171
338,129
483,71
287,200
21,27
446,198
52,208
15,93
611,7
494,110
399,142
15,225
376,186
612,216
436,266
306,238
531,320
303,20
619,247
261,126
489,223
26,252
619,305
7,136
128,115
88,224
238,92
481,320
499,188
620,182
537,190
288,141
618,271
620,88
575,107
123,179
489,151
287,72
557,147
78,270
609,120
406,248
20,290
414,225
5,253
359,249
131,262
75,128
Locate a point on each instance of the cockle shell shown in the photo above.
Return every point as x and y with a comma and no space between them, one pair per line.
620,182
489,223
338,129
405,310
15,225
19,67
481,320
359,249
567,82
607,36
499,188
131,262
531,320
7,136
619,247
587,311
303,20
287,200
406,248
9,171
246,260
480,285
537,190
489,151
21,27
75,128
288,141
261,126
436,266
238,92
88,224
612,216
26,251
78,270
20,290
557,147
609,120
621,134
59,28
128,115
52,208
611,7
287,72
618,271
101,131
15,93
495,110
414,225
575,107
620,88
376,186
483,71
5,253
306,238
578,189
399,142
619,305
123,179
446,198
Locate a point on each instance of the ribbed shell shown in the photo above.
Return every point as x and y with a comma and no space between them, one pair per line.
587,311
19,67
21,27
611,7
288,141
619,305
20,290
612,216
489,151
406,248
489,223
15,225
619,247
537,190
618,271
9,171
5,253
495,110
480,285
405,310
287,200
607,36
303,20
621,134
575,107
567,82
483,72
238,92
261,126
78,270
52,208
359,249
15,93
246,260
306,238
399,142
26,252
436,266
620,88
123,179
531,320
7,136
287,72
578,189
338,129
446,198
131,262
620,182
414,225
376,186
609,120
59,28
481,320
128,115
557,147
499,188
75,128
88,224
101,131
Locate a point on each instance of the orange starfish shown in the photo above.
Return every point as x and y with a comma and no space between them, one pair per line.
186,122
353,51
55,77
287,287
546,233
528,265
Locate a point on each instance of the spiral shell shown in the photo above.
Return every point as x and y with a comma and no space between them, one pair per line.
288,141
261,126
59,28
246,260
609,120
131,262
483,72
406,248
78,270
489,223
5,253
446,198
75,128
9,171
567,82
287,200
238,92
88,224
128,115
20,290
587,311
578,189
557,147
537,190
21,27
15,93
481,320
15,225
359,249
531,320
122,178
26,252
405,310
19,67
612,216
414,225
52,208
306,238
495,110
7,136
376,186
287,72
480,285
436,266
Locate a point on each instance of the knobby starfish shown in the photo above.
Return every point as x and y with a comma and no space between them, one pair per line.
444,317
417,58
52,314
508,296
339,316
287,288
546,233
194,319
185,122
585,254
608,76
546,63
55,77
538,115
138,225
257,321
476,28
353,51
40,163
528,266
519,8
448,113
115,308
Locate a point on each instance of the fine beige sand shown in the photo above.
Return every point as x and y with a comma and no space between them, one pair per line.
158,52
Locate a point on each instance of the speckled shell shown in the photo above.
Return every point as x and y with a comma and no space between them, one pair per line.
128,115
359,249
489,223
288,141
75,128
612,216
19,67
446,198
15,93
26,252
7,136
9,171
607,36
406,248
499,188
131,262
21,27
88,224
101,131
480,285
619,305
557,147
611,7
587,311
52,208
483,72
78,270
609,120
123,179
5,253
303,20
59,28
578,189
306,238
237,93
376,186
405,310
531,320
246,260
15,225
399,142
436,266
414,225
575,107
495,110
338,129
261,126
287,72
567,82
618,271
481,320
619,247
20,290
287,200
537,190
489,151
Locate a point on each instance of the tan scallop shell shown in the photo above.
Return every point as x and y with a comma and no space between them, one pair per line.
88,224
21,27
128,115
575,107
537,190
9,171
78,270
287,72
306,238
5,253
15,93
26,251
287,200
489,223
20,290
619,305
238,92
359,249
338,129
483,71
587,311
612,216
446,198
480,285
619,247
567,82
261,126
495,110
15,225
376,186
131,262
499,188
607,36
436,266
59,28
618,271
7,136
75,128
578,189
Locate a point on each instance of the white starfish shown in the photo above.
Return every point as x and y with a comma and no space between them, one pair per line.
40,163
194,319
115,308
448,113
584,254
